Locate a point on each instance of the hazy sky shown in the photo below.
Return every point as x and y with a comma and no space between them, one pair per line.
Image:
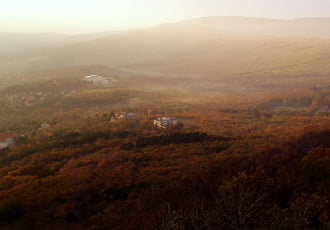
72,16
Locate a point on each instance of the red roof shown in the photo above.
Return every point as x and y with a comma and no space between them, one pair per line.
4,136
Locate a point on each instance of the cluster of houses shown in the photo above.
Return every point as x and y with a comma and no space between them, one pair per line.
24,100
99,80
28,99
7,139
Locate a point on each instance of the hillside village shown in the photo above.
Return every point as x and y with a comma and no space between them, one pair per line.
43,91
8,139
29,99
98,80
212,123
25,100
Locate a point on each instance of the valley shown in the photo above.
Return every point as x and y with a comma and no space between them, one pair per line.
197,124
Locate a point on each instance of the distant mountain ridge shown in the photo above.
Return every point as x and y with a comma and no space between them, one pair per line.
16,42
211,46
300,27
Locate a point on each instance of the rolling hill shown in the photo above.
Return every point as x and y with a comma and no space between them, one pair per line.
250,150
214,47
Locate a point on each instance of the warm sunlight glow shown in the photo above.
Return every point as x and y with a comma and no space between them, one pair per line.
100,15
164,114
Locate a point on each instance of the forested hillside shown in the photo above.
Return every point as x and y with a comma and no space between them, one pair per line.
218,123
229,165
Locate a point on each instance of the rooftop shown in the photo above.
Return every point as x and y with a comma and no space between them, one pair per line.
4,136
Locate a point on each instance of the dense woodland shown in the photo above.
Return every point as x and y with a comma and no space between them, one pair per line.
251,149
259,160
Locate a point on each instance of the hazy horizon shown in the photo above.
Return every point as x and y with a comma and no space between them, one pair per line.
85,16
164,114
105,30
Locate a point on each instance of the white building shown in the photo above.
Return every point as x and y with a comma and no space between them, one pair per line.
165,122
98,80
126,115
44,126
7,139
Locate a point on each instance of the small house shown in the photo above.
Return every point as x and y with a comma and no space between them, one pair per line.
124,115
165,122
44,126
7,139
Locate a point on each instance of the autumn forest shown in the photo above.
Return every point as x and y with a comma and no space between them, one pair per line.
168,129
